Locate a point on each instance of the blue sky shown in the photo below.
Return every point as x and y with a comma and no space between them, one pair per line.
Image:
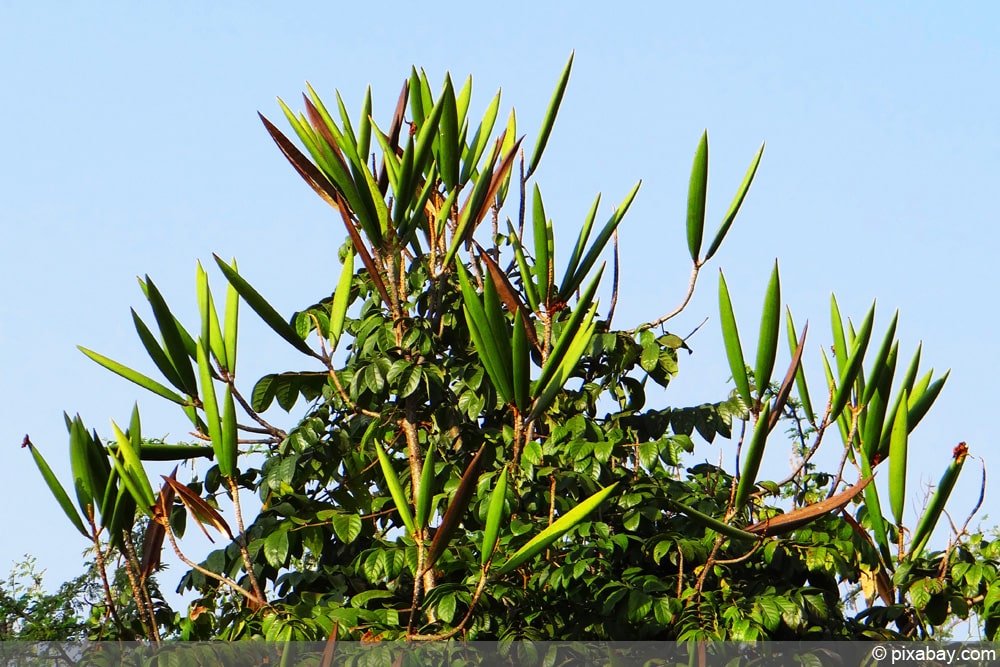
132,146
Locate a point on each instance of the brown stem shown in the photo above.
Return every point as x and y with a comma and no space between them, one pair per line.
271,430
143,605
480,587
102,567
708,564
241,540
847,451
692,281
347,399
213,575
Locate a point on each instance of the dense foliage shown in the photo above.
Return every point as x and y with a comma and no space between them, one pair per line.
477,457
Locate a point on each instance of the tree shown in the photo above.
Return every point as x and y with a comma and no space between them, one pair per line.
477,457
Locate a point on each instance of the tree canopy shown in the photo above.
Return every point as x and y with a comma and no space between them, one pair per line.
473,454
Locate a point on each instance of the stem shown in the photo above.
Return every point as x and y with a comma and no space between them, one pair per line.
271,430
676,311
208,573
480,587
241,540
102,568
131,567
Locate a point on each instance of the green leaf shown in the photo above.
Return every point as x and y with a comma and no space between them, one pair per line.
521,359
263,308
509,138
482,339
800,376
79,444
232,323
558,528
210,407
172,339
129,466
839,341
897,462
480,140
754,455
731,337
938,501
499,332
425,493
581,239
878,365
56,488
875,410
852,365
494,515
448,148
395,488
341,301
767,345
734,208
346,526
276,548
229,433
427,132
211,331
543,261
550,117
919,406
156,353
134,376
568,335
572,283
697,193
874,508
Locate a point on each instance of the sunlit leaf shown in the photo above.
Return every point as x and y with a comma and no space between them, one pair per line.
550,117
265,310
395,487
697,194
56,488
754,453
133,376
734,208
770,325
558,528
731,337
494,515
897,462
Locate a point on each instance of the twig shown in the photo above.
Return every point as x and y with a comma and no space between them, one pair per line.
241,540
461,625
276,432
208,573
102,567
676,311
847,450
131,563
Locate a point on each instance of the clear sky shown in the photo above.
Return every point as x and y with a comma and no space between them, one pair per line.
132,146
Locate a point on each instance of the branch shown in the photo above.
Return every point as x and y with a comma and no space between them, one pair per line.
208,573
270,430
676,311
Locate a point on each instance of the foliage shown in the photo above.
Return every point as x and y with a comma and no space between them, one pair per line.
477,456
